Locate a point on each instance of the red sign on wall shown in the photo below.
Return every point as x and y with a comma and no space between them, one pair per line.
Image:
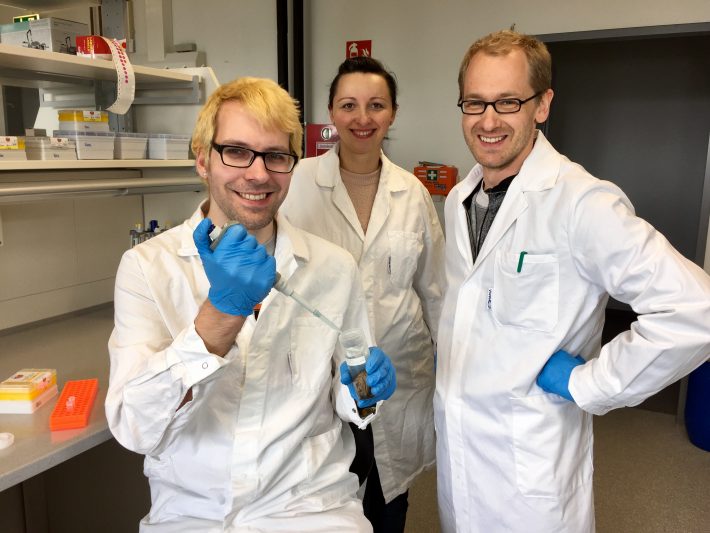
358,48
320,138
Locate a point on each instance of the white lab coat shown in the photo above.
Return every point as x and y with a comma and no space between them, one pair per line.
401,259
259,447
509,456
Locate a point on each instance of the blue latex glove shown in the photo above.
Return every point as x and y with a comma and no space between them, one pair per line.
239,270
554,376
381,378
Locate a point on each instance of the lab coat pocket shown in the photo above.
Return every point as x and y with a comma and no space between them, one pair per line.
317,449
405,249
311,353
323,459
552,443
526,290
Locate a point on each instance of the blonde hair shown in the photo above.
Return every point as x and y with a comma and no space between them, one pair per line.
501,43
270,104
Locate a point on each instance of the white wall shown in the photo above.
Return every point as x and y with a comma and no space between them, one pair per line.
423,42
238,37
61,255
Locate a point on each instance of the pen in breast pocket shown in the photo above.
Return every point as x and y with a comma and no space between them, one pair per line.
520,260
389,265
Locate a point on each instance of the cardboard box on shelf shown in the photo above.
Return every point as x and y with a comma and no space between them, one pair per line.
50,148
95,47
53,34
12,148
90,144
167,146
130,145
83,120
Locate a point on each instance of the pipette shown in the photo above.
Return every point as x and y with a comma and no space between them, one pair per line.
284,289
280,284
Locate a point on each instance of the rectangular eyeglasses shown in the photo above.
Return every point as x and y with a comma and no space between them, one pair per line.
502,106
240,157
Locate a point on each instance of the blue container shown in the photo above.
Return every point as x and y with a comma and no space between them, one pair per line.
697,407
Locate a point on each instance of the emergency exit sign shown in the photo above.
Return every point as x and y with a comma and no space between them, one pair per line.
25,18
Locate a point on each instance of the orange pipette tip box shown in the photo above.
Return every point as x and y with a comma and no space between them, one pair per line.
74,405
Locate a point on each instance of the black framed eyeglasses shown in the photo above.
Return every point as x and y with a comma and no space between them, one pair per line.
503,106
240,157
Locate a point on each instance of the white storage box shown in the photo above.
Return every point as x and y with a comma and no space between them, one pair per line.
79,120
50,148
165,146
12,148
54,34
27,390
130,146
90,144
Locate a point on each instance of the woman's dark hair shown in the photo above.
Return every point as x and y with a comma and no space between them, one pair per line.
366,65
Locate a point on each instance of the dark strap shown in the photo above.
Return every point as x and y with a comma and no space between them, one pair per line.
364,452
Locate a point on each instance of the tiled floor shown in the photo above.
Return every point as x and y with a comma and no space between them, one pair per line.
648,478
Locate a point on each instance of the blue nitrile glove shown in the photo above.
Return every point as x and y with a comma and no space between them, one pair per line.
554,376
239,270
381,378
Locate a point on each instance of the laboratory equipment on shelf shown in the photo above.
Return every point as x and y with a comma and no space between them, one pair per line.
138,235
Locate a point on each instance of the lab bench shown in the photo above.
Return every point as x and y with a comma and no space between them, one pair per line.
45,470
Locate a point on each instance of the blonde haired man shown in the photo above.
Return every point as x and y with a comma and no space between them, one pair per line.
239,418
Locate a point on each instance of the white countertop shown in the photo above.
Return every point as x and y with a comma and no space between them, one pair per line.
76,346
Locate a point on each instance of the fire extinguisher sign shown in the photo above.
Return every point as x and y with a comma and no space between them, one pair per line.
358,48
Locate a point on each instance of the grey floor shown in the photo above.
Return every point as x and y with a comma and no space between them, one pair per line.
648,478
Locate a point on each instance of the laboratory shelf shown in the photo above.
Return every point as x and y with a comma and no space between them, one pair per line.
95,164
43,65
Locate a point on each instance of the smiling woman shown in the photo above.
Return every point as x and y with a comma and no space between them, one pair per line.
355,197
362,110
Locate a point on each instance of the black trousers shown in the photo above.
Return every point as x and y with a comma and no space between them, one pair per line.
384,517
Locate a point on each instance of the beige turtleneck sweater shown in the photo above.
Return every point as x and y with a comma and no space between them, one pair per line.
362,189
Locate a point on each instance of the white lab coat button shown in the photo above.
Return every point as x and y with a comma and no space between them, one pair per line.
205,365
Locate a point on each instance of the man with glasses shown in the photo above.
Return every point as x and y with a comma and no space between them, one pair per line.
238,412
534,247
